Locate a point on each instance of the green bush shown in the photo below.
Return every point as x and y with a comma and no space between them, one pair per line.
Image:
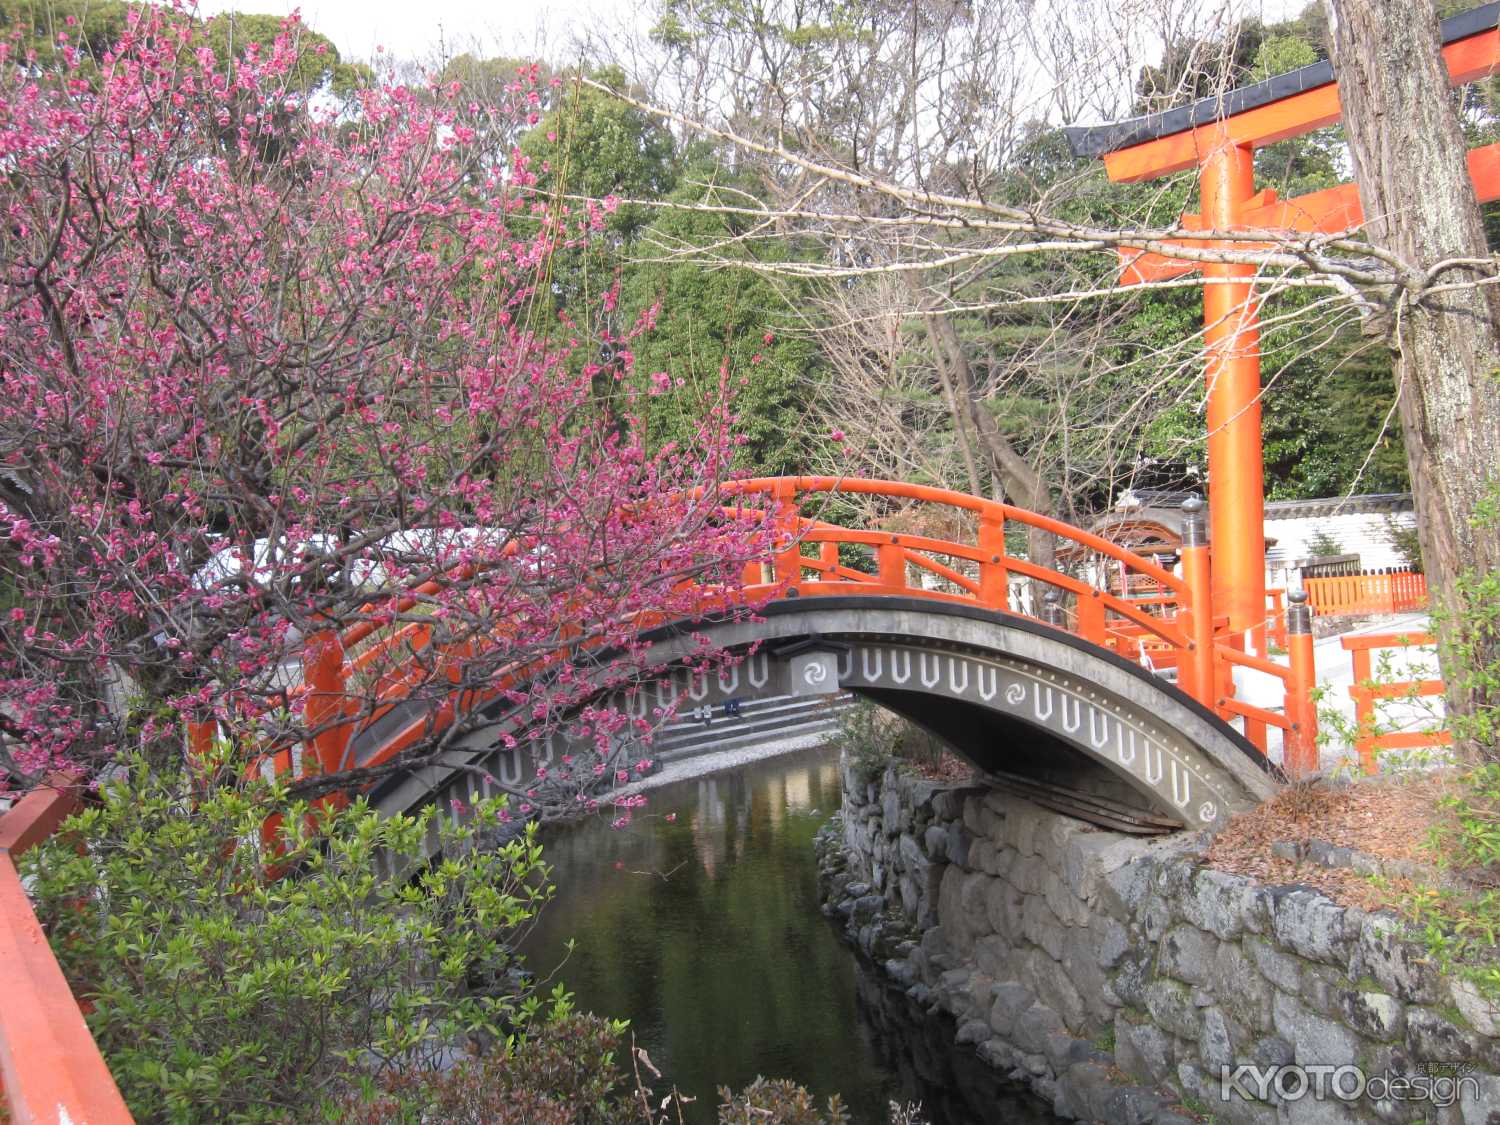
783,1103
567,1071
562,1072
221,994
874,738
865,734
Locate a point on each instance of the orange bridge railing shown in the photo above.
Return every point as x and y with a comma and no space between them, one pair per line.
50,1067
1110,596
1367,695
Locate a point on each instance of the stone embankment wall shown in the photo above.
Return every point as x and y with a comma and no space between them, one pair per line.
1117,976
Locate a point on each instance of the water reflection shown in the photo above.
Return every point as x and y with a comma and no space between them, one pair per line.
700,924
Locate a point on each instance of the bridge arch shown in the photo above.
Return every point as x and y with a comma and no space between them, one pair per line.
1027,704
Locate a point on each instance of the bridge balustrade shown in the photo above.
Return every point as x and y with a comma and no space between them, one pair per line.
1173,629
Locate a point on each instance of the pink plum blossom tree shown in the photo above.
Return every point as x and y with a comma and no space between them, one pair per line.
275,366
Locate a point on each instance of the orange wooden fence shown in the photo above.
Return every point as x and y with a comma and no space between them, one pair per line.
1395,592
1366,693
51,1069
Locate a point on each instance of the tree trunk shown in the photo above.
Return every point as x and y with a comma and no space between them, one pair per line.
1408,152
1023,485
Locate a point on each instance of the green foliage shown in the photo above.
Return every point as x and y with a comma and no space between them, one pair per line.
1329,425
722,317
1460,922
784,1103
563,1071
1461,927
1471,644
874,739
95,27
1320,544
864,735
592,144
222,993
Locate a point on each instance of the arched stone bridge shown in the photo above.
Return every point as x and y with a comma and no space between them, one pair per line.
1064,697
1017,699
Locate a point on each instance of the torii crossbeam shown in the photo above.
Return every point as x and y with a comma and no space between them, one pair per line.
1218,136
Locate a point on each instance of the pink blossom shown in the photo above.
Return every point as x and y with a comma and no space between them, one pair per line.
382,283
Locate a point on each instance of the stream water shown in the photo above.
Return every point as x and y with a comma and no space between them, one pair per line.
699,923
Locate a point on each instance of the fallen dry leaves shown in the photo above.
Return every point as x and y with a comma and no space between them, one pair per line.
1391,818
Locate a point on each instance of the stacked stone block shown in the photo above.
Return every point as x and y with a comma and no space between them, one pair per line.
1118,975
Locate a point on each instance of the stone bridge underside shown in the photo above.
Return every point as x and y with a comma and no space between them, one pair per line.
1030,706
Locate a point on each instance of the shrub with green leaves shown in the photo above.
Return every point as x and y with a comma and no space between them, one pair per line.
564,1071
221,993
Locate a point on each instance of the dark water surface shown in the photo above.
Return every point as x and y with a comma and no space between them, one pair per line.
700,924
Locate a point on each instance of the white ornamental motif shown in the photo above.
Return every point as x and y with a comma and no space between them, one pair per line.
1182,791
989,679
760,670
815,673
901,664
1015,695
1208,812
958,684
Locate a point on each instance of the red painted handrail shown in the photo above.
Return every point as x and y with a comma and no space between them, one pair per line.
1174,626
49,1064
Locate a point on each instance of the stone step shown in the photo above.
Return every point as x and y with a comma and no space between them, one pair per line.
772,720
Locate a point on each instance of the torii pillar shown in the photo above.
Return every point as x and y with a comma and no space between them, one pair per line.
1231,337
1218,136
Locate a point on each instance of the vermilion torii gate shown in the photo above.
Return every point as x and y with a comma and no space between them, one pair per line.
1219,136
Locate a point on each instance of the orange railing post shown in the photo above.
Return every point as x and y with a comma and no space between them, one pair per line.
890,563
828,555
323,674
1301,746
1091,618
788,564
1198,668
50,1067
994,578
1362,692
